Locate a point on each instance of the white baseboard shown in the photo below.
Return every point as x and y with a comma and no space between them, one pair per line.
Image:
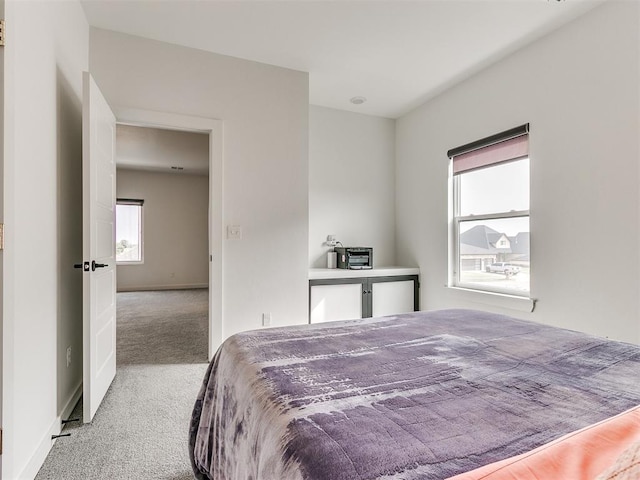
71,403
148,288
44,446
36,461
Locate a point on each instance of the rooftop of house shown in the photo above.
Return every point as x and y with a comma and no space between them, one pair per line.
482,239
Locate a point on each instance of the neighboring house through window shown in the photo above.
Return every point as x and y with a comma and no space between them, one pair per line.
129,238
490,227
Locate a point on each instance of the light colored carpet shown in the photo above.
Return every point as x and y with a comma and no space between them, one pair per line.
168,327
140,431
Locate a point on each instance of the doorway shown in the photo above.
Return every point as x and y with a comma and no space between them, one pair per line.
98,116
214,129
162,245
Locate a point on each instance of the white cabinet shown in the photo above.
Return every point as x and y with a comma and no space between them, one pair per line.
335,302
350,294
389,298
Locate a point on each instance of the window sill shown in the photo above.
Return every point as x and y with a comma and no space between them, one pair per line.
503,300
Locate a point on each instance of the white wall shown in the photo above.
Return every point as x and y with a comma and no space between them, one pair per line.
351,183
46,52
1,206
579,89
265,111
175,212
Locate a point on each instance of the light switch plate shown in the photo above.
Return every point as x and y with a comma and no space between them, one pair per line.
234,232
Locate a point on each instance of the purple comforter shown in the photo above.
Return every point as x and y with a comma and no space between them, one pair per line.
425,395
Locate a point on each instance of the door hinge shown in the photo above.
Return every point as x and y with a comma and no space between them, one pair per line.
1,236
0,441
1,33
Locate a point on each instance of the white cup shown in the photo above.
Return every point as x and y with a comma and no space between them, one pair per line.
332,260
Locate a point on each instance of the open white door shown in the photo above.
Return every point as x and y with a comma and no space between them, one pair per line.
98,246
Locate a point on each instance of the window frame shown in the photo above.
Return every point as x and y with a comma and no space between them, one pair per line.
140,204
456,220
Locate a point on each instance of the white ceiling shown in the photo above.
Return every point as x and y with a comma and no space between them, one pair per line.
395,53
157,150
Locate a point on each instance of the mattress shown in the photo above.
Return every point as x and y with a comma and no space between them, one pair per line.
424,395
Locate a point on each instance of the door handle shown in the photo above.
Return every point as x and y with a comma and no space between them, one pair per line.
95,265
84,266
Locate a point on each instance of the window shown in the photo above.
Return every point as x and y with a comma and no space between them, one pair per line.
129,231
490,227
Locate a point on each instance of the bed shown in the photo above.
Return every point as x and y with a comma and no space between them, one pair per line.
424,395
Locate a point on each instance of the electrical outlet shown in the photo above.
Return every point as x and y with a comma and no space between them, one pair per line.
68,356
266,319
331,241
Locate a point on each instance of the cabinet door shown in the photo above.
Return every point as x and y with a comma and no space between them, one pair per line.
390,298
335,302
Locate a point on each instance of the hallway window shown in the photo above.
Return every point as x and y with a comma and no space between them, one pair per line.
129,231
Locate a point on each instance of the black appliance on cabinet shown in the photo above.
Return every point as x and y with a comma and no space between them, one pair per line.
355,258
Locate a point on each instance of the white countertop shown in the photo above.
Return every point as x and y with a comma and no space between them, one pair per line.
328,273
